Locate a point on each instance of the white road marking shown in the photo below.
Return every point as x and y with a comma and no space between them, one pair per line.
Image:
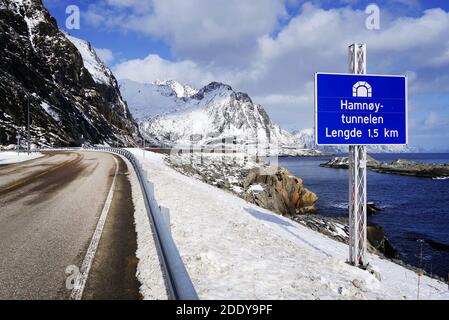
80,281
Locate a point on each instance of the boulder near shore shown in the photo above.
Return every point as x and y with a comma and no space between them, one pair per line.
275,189
280,192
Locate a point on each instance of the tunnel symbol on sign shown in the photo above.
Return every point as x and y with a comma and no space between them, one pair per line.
362,89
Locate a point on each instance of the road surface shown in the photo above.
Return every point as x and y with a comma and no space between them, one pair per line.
49,210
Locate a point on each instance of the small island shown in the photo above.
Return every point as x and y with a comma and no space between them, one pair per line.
399,167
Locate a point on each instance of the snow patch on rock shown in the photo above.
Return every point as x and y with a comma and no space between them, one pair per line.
98,70
50,110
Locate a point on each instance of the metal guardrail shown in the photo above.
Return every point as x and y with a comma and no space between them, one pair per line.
178,282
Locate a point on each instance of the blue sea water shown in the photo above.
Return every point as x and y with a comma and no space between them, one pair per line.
413,208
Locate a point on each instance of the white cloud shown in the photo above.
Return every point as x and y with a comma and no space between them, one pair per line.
154,68
105,55
207,31
433,120
235,42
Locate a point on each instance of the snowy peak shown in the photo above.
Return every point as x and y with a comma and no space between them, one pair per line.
215,113
97,69
149,100
306,138
214,87
181,91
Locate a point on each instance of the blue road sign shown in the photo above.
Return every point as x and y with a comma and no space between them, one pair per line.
355,109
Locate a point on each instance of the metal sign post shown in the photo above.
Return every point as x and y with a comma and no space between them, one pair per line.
357,176
28,124
18,136
357,109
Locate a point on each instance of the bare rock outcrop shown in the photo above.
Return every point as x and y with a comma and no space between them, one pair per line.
280,192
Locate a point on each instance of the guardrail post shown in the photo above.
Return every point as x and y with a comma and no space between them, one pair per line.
166,214
151,190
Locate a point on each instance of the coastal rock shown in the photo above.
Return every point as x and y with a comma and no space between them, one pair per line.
343,163
411,168
282,192
338,229
399,167
372,209
379,242
279,191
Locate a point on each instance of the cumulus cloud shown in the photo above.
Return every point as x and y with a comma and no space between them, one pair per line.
208,31
154,68
262,50
105,55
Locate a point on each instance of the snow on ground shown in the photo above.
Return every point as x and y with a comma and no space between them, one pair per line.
9,157
235,250
149,269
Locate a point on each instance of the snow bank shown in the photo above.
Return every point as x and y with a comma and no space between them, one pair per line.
235,250
149,270
10,157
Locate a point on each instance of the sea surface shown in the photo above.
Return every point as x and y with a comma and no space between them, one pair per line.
412,208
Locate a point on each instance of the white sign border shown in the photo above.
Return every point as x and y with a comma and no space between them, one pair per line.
364,75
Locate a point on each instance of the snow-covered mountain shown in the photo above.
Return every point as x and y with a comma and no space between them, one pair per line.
306,138
97,69
214,114
181,90
73,96
148,100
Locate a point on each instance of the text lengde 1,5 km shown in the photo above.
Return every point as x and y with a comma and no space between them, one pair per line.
357,133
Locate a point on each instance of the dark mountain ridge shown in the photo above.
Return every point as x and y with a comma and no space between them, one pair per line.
42,67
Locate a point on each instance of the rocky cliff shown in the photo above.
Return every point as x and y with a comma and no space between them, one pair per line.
42,68
280,192
272,188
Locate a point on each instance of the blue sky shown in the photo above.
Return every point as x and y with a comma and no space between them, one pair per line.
271,49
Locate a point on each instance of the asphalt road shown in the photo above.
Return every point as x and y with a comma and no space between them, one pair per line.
49,209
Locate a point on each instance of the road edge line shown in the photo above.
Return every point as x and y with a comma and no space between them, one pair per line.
81,279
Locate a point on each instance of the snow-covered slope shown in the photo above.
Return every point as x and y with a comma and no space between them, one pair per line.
148,100
306,138
9,157
235,250
97,69
181,90
211,115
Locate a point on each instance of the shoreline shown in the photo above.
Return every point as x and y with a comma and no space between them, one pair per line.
400,167
335,228
316,212
275,250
